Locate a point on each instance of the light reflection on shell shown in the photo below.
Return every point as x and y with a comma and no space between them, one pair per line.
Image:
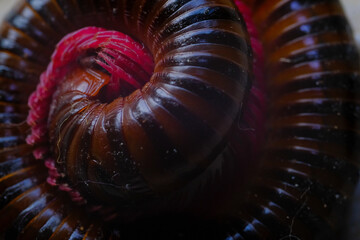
310,165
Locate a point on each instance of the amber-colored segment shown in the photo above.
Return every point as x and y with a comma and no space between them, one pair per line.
162,137
311,163
157,141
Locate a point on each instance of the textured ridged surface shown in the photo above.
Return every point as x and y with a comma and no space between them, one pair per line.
310,165
163,136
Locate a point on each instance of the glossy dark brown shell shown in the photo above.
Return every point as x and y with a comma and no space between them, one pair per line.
310,164
163,135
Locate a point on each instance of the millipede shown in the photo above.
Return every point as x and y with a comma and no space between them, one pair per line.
178,119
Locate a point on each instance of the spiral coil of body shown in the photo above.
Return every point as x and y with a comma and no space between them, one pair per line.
309,167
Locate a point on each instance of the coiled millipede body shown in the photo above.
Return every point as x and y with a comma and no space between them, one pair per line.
146,119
